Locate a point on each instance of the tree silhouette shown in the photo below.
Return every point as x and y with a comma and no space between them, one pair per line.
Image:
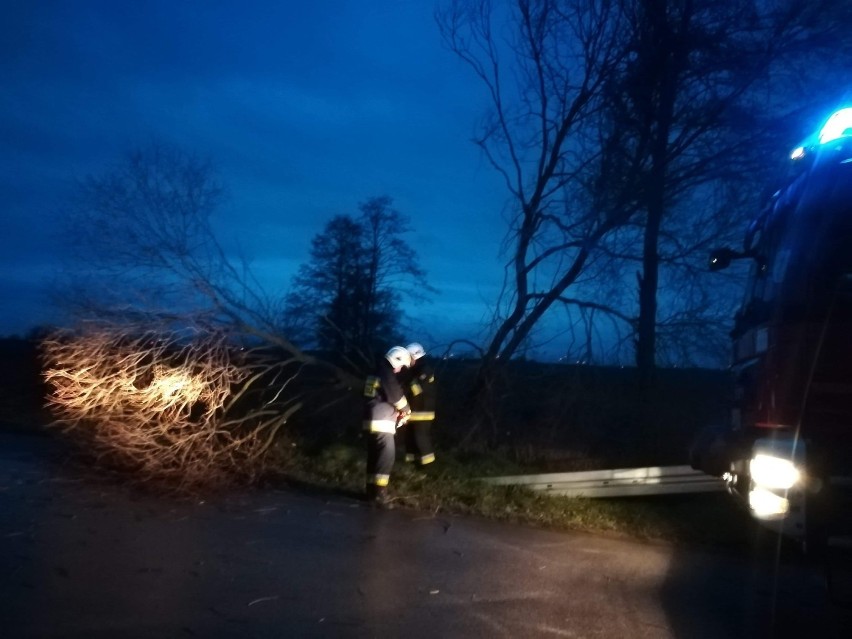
544,74
629,134
348,297
687,124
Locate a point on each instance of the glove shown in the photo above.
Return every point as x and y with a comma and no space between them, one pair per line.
402,417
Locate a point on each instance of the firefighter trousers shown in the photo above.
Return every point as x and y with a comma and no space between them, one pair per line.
380,457
380,424
417,434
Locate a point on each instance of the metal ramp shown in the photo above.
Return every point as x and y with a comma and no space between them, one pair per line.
622,482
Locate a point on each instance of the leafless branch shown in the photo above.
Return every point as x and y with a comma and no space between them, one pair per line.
173,409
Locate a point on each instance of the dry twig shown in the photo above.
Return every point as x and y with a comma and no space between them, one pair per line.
187,412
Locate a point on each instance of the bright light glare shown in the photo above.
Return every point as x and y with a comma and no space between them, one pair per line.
838,125
797,153
773,472
765,503
175,385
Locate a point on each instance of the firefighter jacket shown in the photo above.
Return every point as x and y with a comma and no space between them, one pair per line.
421,390
385,399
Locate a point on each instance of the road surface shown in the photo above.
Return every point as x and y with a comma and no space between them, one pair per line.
86,557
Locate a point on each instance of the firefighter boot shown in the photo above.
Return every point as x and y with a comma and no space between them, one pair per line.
379,498
426,461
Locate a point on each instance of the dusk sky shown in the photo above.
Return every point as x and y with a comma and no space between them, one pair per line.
306,109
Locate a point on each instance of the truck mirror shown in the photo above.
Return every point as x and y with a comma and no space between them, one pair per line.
721,259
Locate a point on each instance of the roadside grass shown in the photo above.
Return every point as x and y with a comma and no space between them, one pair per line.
450,486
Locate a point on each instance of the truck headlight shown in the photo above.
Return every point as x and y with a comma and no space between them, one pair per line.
765,504
768,471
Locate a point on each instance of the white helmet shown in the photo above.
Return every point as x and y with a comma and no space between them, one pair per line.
398,357
417,351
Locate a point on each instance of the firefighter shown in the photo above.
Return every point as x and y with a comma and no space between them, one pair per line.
420,389
386,410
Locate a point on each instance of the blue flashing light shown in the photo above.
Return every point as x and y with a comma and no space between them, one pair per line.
839,125
798,153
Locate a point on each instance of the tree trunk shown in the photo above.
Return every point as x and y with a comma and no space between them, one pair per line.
646,339
665,55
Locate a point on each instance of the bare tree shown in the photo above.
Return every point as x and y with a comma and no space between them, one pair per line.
155,294
143,243
544,76
630,134
693,109
144,247
694,307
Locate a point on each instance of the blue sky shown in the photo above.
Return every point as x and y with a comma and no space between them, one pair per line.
306,108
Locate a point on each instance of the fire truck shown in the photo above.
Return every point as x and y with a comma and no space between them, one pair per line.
787,449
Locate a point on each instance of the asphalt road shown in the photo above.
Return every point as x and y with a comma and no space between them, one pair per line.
83,556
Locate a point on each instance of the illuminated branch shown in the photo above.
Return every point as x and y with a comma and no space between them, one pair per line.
172,410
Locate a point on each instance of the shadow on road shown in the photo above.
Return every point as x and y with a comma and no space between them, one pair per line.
764,589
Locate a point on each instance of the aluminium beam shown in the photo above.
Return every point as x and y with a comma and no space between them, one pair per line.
620,482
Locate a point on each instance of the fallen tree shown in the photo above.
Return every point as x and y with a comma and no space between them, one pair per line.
178,410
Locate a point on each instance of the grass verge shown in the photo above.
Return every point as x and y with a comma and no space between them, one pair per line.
449,486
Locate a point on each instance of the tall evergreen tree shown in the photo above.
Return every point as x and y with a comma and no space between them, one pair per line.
348,297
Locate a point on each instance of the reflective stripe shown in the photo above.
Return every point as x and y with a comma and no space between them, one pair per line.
402,403
409,457
427,459
380,426
416,389
371,386
422,416
378,480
